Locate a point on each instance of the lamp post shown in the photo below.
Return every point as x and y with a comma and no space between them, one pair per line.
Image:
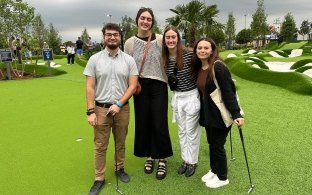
110,17
245,31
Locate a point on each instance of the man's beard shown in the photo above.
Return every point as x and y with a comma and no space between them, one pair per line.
114,46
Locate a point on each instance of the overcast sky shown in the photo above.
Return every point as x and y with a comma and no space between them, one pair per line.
70,17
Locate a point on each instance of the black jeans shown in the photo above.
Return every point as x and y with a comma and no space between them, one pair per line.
70,58
216,139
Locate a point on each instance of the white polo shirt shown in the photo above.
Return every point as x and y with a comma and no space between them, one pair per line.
111,73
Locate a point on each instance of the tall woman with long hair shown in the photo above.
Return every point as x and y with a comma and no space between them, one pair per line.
152,139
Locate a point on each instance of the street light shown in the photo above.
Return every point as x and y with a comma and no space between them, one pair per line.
110,17
245,20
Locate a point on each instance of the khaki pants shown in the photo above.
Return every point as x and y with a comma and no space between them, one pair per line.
101,138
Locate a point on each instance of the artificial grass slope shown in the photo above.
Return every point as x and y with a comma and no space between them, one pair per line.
42,118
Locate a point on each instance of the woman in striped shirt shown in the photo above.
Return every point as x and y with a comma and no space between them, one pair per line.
185,98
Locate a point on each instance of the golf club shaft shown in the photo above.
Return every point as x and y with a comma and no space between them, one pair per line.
232,158
114,131
242,139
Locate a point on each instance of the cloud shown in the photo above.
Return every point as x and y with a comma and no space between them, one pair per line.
70,17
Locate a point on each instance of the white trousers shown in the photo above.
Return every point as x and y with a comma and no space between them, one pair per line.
185,107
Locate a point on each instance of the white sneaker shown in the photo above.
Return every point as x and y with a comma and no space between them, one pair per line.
216,183
210,175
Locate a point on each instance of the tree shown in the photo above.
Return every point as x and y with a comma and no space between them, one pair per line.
244,36
39,34
15,20
218,36
288,28
22,17
84,37
305,28
128,27
259,26
54,40
193,19
230,30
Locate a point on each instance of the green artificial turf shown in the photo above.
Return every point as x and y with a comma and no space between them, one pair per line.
42,118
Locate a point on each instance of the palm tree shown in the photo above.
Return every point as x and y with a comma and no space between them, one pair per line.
194,19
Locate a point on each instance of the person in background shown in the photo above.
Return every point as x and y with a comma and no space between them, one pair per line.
27,50
111,79
207,64
79,45
13,46
45,45
152,139
71,54
89,45
185,98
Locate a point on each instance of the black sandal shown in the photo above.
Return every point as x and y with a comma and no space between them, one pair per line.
161,170
149,166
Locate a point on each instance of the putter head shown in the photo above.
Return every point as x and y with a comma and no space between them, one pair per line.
250,189
118,190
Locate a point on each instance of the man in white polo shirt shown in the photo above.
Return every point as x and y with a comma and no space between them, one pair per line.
112,78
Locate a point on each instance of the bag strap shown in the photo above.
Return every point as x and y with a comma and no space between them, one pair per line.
214,76
145,52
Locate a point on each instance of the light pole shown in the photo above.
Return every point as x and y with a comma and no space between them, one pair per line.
110,17
245,31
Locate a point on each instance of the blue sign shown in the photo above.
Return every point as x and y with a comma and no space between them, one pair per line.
47,54
6,55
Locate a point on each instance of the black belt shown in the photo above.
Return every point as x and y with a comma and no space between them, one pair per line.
105,105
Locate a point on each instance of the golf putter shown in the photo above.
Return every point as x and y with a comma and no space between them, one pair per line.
232,158
114,130
242,139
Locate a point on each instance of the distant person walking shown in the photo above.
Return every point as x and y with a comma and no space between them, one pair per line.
89,45
13,46
71,54
79,46
27,50
18,52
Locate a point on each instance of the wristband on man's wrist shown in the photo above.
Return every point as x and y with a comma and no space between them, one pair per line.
118,103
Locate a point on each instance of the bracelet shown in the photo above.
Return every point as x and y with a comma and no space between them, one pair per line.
118,103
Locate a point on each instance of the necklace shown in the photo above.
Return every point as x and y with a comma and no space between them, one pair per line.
205,67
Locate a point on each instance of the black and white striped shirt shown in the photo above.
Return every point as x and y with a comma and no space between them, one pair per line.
186,80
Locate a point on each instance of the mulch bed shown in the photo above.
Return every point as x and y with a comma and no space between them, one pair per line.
16,74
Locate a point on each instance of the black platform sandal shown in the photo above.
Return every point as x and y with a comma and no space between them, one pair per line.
149,166
161,170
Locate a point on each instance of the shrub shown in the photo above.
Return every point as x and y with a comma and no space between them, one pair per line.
292,81
281,53
259,62
302,69
300,63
